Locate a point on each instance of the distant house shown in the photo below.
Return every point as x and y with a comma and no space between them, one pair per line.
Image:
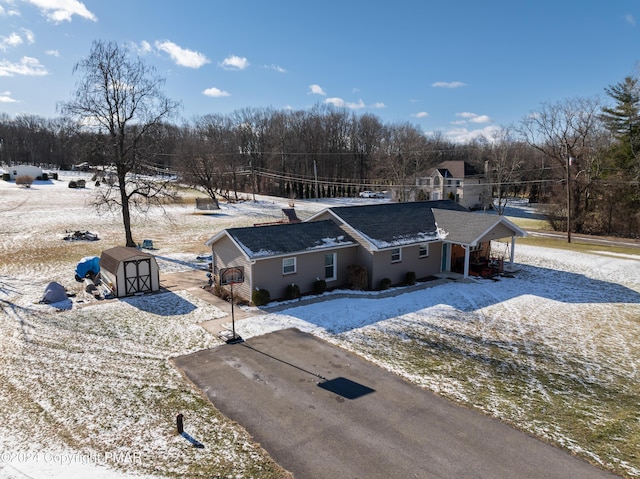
388,240
25,170
455,180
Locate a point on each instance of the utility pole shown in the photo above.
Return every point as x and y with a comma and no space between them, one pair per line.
568,195
315,175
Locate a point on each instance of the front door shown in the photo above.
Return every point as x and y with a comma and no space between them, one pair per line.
445,258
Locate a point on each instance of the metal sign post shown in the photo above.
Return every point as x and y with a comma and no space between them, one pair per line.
230,276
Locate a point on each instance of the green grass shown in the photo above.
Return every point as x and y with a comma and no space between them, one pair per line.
577,245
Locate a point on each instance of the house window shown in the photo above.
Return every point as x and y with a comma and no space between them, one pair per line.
330,267
427,181
288,265
396,255
448,182
458,182
436,181
475,248
423,252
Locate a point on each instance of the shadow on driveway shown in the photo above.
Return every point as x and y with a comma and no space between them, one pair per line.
322,412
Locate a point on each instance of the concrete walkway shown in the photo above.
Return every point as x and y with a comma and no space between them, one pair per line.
195,282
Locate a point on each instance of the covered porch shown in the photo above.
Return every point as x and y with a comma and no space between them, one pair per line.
470,247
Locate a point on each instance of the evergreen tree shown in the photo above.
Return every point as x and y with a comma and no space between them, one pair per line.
623,121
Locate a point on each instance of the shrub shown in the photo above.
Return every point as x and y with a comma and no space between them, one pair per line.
260,297
319,286
24,180
410,278
358,278
292,291
385,283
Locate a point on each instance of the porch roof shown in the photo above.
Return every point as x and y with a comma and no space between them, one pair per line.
471,228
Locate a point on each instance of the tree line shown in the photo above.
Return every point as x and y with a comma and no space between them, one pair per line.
578,157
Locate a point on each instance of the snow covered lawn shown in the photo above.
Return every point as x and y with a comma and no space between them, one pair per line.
88,389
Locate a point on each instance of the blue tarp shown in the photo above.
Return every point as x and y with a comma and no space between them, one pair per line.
90,264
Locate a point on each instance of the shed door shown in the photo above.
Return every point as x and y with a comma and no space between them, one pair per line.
137,276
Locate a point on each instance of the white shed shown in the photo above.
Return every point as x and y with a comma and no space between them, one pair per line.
24,170
129,271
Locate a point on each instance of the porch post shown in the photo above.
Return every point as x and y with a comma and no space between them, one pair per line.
466,260
513,250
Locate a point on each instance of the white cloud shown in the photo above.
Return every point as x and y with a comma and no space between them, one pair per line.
316,90
481,119
422,114
143,47
340,103
53,53
13,40
63,10
276,68
472,117
5,97
234,62
451,84
12,12
630,20
215,92
29,35
27,66
182,56
462,135
378,104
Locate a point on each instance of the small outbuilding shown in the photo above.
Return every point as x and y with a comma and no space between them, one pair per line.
128,271
24,170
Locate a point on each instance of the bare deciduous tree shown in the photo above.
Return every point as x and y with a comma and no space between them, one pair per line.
565,132
505,163
121,98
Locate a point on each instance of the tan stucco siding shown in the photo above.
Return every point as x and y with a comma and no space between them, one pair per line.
309,267
396,272
226,254
497,232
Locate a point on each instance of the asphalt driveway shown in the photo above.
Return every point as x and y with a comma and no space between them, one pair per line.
322,412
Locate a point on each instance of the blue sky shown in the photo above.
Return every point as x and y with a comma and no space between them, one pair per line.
461,68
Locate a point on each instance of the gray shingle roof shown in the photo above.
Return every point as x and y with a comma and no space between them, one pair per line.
465,228
282,239
111,258
395,224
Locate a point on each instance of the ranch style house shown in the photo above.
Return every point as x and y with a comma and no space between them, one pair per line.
388,240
